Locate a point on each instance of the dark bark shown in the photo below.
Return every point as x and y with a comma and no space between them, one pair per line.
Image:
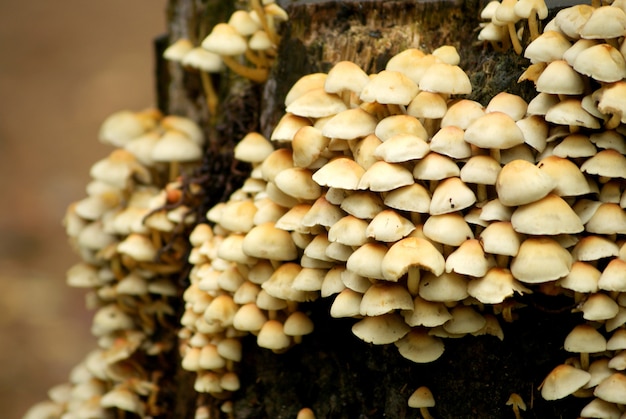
332,371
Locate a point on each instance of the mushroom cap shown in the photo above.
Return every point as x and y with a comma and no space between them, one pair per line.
496,286
570,112
445,78
383,176
494,130
253,148
225,40
316,103
449,141
401,148
414,198
612,389
340,172
548,47
468,259
601,62
346,75
584,339
381,330
350,124
268,242
451,195
521,182
540,260
450,229
272,336
550,215
389,87
446,287
304,84
367,260
559,78
563,381
418,346
389,226
411,252
604,23
385,297
464,320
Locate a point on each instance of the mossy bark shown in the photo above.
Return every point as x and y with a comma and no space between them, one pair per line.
332,371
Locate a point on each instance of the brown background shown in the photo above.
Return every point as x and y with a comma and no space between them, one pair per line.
64,67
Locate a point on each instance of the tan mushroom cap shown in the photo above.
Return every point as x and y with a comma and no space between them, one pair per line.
435,166
563,381
500,238
389,87
591,248
559,78
412,62
268,242
413,198
341,172
272,336
550,215
446,287
570,181
363,204
451,195
288,126
445,78
426,313
316,103
599,307
468,259
464,320
400,124
201,59
238,216
427,105
224,40
462,114
350,124
540,260
601,62
583,277
450,229
584,339
612,100
346,304
280,284
402,148
350,231
449,141
607,163
418,346
495,287
298,324
481,169
612,389
308,144
381,330
385,297
253,148
389,226
571,19
604,23
548,47
613,277
521,182
411,252
367,260
510,104
298,182
571,113
322,213
346,75
383,176
494,130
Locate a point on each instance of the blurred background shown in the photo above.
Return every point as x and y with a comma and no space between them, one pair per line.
64,68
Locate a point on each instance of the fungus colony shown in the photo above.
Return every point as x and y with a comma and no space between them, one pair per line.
420,213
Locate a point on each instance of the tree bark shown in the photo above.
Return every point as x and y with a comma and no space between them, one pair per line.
333,372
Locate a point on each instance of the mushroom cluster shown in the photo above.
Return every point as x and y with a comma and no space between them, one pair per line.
249,36
505,26
422,213
130,232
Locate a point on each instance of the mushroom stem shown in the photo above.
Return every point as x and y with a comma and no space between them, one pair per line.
514,39
271,33
425,413
257,75
614,121
174,170
413,280
481,192
584,360
431,126
533,25
209,92
258,60
395,109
